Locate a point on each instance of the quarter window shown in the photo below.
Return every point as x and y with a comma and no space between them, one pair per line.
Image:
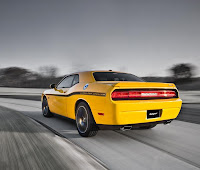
76,80
66,83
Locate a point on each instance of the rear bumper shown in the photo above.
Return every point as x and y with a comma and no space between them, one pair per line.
135,112
134,117
134,126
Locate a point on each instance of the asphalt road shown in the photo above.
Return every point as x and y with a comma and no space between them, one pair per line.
174,146
190,113
27,97
25,144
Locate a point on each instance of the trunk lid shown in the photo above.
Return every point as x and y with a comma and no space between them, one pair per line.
139,85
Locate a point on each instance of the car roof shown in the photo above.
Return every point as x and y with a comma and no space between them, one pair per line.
92,71
87,76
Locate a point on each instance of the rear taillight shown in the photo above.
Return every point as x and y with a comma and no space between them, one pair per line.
143,94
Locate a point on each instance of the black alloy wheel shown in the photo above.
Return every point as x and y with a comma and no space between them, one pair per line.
85,123
45,108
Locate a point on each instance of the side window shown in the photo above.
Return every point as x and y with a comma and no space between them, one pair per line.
66,83
76,80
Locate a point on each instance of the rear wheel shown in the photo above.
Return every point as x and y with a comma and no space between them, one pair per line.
45,108
85,123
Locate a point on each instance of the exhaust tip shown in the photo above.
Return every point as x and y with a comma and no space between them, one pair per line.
167,122
125,128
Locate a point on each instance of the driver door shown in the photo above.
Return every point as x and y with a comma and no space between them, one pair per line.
60,98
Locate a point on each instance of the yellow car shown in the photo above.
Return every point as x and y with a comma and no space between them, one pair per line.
111,100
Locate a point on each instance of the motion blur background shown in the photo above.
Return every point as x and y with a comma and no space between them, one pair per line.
43,40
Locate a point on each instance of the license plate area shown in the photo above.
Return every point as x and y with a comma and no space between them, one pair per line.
152,114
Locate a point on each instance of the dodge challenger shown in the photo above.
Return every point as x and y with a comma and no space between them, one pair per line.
111,100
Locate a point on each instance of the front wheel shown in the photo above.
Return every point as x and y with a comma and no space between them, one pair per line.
45,108
85,123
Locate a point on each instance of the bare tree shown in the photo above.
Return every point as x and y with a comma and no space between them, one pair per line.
48,71
182,71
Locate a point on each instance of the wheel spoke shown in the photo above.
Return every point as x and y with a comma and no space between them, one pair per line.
81,119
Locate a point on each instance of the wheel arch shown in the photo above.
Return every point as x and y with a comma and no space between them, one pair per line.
82,100
79,101
42,97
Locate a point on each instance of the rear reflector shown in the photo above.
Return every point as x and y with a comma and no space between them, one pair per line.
143,94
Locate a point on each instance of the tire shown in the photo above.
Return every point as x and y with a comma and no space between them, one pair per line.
85,123
148,126
45,108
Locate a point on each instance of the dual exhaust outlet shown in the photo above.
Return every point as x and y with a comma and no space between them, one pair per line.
129,127
167,122
124,128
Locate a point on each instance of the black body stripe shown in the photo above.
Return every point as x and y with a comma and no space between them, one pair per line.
81,93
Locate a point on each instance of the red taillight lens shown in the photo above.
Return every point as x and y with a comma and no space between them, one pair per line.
143,94
120,95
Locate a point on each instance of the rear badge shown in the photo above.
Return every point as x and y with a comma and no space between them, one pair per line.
151,114
85,87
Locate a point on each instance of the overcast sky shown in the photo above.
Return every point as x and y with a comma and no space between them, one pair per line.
144,37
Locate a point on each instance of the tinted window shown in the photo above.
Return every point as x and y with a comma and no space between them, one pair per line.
113,76
66,83
76,80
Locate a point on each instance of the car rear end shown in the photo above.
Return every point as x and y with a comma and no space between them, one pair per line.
131,101
142,102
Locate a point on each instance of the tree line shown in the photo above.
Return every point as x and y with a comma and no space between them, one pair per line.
180,74
21,77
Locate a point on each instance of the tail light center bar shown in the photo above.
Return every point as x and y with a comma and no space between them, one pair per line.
143,94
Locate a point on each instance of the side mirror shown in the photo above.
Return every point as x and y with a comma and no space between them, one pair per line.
52,86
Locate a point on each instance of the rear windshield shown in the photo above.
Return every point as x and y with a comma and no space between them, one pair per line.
113,76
